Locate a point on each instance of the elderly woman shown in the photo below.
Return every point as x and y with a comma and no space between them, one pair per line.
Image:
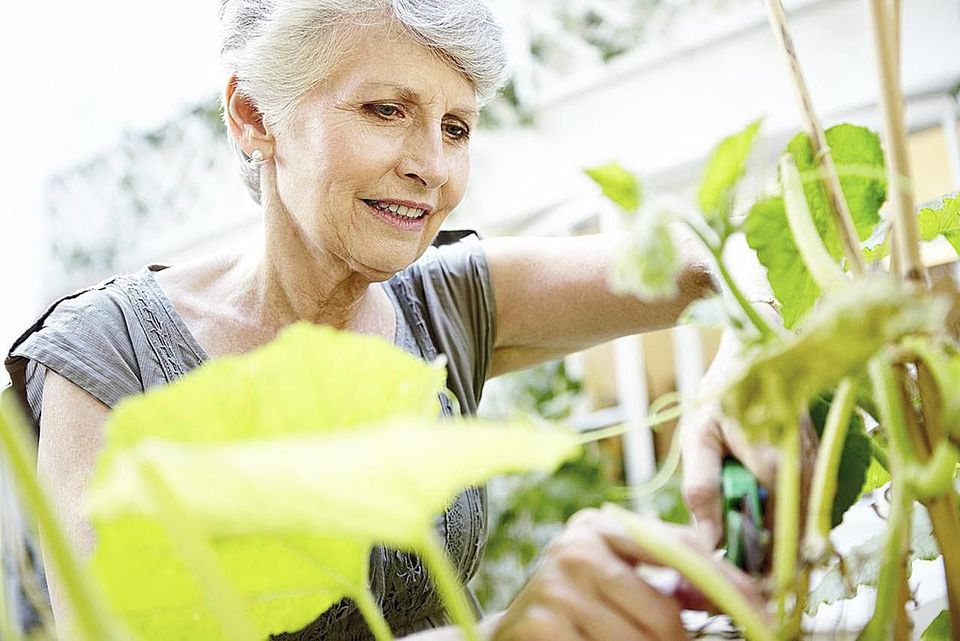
351,121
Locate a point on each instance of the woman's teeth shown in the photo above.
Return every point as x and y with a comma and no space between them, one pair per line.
400,210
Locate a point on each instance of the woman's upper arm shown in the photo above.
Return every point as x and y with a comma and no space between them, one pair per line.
71,435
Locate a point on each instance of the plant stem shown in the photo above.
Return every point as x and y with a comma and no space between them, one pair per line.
890,600
905,226
7,630
944,509
700,571
841,212
825,471
945,519
93,622
818,260
448,585
371,612
934,477
787,518
185,533
766,332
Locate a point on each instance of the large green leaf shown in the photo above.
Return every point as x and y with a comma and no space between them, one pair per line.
726,165
939,628
769,235
338,446
941,218
310,379
840,336
283,582
382,483
619,185
854,461
856,151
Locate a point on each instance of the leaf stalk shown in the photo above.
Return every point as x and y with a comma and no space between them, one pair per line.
698,570
449,587
818,260
787,517
826,470
93,623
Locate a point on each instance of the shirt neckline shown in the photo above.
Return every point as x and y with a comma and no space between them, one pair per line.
171,311
400,332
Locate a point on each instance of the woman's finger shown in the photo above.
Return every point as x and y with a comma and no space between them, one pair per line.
643,605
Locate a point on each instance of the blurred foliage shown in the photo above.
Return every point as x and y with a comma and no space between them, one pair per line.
526,512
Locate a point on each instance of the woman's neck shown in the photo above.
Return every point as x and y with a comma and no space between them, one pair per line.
280,280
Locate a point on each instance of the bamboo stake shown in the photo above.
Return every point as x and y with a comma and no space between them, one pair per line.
906,230
838,204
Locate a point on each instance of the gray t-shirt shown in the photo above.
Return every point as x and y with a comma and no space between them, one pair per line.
123,337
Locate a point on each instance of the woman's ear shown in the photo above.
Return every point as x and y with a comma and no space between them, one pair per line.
245,122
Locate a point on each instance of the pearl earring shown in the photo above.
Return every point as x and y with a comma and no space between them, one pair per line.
256,157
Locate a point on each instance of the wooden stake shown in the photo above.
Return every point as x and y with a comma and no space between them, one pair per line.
905,227
838,204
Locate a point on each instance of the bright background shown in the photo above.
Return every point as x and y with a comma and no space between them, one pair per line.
110,157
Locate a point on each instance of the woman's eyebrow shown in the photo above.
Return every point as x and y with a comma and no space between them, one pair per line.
409,94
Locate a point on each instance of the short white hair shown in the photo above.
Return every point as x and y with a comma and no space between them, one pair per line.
281,49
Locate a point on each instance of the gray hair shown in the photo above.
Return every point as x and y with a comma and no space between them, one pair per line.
280,49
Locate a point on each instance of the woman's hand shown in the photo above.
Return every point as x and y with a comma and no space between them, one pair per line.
587,588
708,436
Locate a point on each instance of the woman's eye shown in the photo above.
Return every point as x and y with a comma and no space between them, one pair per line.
385,110
456,131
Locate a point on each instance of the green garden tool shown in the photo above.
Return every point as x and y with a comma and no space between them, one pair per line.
745,537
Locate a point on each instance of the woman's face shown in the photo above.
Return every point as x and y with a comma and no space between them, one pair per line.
377,156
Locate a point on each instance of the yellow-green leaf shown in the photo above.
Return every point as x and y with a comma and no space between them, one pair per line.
619,185
768,233
381,483
726,165
850,326
858,157
941,218
293,461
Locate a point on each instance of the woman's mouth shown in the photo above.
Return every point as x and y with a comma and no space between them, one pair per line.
400,216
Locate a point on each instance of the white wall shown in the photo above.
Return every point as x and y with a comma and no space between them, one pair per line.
664,106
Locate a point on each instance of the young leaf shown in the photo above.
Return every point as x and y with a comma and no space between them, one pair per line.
941,218
618,184
724,168
646,262
769,235
939,628
855,149
854,461
850,326
875,477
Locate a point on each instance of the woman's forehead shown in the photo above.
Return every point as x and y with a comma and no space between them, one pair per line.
385,57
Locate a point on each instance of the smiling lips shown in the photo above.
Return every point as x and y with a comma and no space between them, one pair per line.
400,208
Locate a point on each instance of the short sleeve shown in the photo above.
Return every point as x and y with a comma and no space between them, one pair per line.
85,339
452,285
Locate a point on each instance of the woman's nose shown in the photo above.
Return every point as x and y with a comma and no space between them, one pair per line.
424,158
